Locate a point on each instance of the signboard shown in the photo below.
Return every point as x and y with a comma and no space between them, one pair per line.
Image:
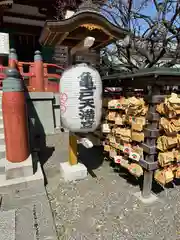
4,44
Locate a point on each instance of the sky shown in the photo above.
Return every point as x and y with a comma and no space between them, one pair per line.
149,10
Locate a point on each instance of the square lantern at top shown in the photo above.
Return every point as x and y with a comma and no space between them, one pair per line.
4,44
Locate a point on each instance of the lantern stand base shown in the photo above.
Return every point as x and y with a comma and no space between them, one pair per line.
151,199
71,173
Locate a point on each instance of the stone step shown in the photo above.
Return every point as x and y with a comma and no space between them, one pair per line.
2,165
2,139
39,222
1,128
1,119
2,151
3,177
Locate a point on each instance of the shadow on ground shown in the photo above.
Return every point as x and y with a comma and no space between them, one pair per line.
124,173
92,158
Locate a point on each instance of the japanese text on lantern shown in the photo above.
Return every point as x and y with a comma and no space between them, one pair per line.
86,100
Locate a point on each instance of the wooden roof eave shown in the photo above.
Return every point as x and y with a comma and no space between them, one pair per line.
52,29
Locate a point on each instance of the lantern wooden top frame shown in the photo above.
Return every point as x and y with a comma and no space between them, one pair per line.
69,32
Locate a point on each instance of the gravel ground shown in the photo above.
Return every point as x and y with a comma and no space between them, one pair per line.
103,207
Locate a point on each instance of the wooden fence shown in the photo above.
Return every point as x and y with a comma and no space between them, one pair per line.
50,73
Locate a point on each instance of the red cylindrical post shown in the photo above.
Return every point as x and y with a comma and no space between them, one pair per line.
38,80
15,118
13,60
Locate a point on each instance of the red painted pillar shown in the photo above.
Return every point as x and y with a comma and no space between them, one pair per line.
32,76
13,60
15,118
20,68
37,81
45,77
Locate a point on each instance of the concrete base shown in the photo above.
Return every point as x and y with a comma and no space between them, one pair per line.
4,181
40,112
72,173
18,170
152,198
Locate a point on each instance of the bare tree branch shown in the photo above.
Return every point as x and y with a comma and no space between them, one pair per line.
153,37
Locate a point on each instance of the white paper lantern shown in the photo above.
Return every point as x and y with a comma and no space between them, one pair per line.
81,98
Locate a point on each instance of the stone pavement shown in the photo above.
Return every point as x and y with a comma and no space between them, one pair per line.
104,207
101,207
32,218
25,213
7,225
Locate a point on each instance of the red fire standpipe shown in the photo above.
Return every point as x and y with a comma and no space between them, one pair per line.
15,118
38,80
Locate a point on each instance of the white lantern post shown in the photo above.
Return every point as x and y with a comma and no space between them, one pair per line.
80,104
80,111
84,45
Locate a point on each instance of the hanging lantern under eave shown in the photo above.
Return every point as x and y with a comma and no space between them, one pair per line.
81,98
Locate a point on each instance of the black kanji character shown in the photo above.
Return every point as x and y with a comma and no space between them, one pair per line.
87,124
85,94
87,114
86,80
86,103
